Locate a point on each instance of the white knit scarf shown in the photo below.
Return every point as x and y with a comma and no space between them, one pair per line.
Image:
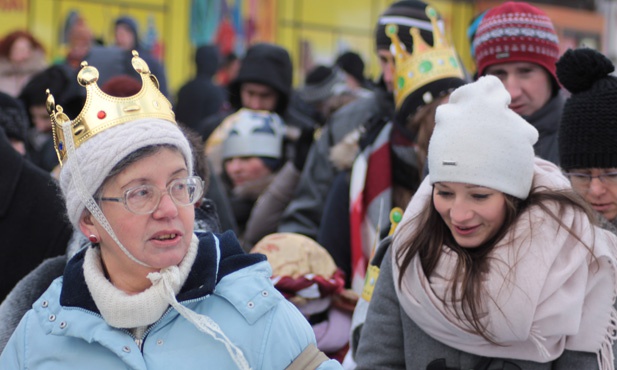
121,310
544,291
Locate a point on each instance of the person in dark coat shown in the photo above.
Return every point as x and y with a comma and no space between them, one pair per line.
32,222
127,38
200,97
264,82
13,120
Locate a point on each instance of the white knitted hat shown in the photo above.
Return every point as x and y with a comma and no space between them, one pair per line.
96,157
479,140
254,133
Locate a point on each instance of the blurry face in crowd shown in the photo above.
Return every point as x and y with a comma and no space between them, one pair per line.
245,169
386,62
159,239
40,118
21,50
599,192
258,96
18,145
474,214
125,38
529,85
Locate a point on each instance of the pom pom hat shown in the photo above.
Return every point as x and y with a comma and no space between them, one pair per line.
516,32
479,140
588,130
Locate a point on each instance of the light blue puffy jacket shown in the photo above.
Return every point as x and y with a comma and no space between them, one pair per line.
64,329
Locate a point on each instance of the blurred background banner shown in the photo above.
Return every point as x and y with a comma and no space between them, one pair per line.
314,31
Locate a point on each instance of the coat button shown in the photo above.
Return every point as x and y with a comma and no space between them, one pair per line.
52,317
159,342
126,349
44,304
63,325
250,304
265,293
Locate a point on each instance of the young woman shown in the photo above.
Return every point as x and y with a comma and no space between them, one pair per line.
149,293
497,264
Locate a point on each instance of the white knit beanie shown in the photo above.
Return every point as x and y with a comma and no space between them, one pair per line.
255,133
478,140
98,155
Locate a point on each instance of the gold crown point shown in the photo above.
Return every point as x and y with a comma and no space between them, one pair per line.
426,63
102,111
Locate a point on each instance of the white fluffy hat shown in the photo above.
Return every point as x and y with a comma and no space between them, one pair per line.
97,156
479,140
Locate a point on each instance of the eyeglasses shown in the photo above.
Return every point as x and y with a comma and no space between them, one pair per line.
584,179
145,199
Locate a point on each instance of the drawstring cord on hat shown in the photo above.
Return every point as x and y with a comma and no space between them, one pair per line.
85,196
164,280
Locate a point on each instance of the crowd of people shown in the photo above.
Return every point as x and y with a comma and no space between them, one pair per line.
247,223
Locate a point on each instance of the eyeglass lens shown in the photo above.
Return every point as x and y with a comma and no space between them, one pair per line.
145,198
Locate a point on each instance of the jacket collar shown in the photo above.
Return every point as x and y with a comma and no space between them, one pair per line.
201,280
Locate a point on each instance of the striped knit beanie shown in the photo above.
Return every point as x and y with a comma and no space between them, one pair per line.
516,32
588,131
405,14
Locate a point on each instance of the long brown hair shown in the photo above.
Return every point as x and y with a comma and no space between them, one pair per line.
431,234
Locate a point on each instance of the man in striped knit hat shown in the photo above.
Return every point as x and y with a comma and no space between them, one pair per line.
516,42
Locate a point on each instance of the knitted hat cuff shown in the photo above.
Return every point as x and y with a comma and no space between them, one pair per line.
572,161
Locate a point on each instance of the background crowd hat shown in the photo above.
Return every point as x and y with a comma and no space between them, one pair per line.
13,117
479,140
322,83
302,270
516,32
352,64
254,134
426,71
404,14
266,64
588,130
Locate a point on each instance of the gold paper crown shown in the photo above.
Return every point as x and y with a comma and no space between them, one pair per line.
102,111
425,64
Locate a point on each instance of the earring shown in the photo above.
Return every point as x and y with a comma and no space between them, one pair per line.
93,239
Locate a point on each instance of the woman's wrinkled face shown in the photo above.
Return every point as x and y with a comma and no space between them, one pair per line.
159,239
474,214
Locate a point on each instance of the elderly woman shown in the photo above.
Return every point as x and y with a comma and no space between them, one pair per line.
149,293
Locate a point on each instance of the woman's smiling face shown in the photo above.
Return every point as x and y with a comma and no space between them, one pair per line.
474,214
